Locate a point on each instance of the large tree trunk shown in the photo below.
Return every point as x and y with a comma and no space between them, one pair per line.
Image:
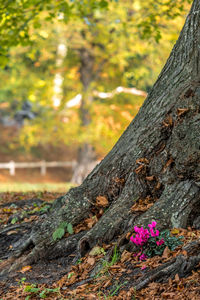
157,157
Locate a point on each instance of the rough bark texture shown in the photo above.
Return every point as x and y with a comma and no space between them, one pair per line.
157,156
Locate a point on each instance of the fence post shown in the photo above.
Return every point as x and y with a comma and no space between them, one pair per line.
12,168
43,167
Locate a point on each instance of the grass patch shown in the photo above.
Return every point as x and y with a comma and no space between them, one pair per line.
35,187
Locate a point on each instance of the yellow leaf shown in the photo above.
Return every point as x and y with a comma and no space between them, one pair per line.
25,269
175,231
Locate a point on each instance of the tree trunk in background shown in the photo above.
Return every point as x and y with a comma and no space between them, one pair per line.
60,56
85,163
86,160
157,158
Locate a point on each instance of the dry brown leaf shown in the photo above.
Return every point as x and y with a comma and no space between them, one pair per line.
91,261
128,235
25,269
166,253
91,296
11,232
125,256
184,252
170,282
162,147
107,283
167,295
102,201
115,267
176,278
119,180
79,228
168,121
182,111
91,221
158,186
142,160
168,163
139,169
150,178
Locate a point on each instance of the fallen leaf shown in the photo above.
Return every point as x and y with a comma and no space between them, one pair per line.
168,163
166,253
91,261
91,221
182,111
175,231
162,147
128,235
177,279
91,296
107,283
158,186
11,232
119,180
150,178
184,252
102,201
139,169
125,256
168,121
25,269
142,160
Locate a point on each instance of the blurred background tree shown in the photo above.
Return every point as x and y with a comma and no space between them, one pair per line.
64,56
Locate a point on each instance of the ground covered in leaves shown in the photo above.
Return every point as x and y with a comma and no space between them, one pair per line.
103,273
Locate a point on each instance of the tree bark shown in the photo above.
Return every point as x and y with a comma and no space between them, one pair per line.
157,157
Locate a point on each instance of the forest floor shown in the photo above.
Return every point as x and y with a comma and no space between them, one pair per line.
55,279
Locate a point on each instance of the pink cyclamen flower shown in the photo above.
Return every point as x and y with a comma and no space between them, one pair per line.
154,234
143,267
141,237
136,229
160,242
153,224
143,257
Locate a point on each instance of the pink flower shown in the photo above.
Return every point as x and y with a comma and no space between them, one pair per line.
143,267
136,228
143,257
160,242
154,234
153,224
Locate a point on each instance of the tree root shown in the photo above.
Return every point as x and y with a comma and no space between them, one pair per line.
180,265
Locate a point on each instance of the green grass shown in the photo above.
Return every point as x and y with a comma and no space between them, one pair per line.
34,187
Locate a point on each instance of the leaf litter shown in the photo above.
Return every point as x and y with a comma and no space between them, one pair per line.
113,281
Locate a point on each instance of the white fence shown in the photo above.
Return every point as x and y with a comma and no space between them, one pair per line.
43,165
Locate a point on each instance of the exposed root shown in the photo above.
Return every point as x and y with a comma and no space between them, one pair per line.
180,265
